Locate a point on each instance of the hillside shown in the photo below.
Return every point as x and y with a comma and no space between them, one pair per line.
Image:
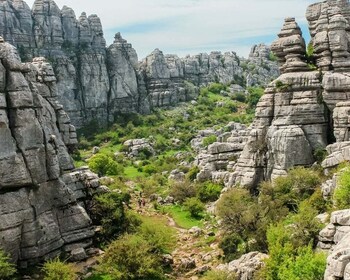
203,167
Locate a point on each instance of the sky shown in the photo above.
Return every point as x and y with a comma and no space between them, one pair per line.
192,26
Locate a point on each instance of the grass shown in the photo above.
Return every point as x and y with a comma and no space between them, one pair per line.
182,218
131,172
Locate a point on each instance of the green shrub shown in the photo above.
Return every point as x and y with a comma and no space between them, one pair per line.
298,185
320,154
241,97
104,164
287,262
272,57
230,245
182,190
208,191
255,93
236,208
109,211
219,275
7,269
216,88
58,270
342,192
281,87
131,257
160,237
209,140
192,173
194,206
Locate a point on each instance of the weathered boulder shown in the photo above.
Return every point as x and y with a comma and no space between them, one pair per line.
246,266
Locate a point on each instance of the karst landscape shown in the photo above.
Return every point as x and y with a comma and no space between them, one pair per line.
209,166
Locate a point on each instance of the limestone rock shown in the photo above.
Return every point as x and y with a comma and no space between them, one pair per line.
336,238
40,196
246,266
94,91
136,146
290,48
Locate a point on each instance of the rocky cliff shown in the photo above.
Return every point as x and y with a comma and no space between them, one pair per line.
42,199
94,83
304,110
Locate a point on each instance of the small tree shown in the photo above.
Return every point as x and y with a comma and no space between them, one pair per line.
103,164
194,206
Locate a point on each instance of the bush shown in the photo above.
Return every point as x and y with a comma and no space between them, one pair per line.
194,206
58,270
182,190
255,93
103,164
230,245
287,262
298,185
109,211
192,173
236,209
320,154
239,97
216,88
131,257
342,192
209,140
160,237
209,192
7,269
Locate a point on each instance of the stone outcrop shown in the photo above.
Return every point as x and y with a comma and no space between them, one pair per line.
303,110
42,198
95,83
216,161
335,238
246,266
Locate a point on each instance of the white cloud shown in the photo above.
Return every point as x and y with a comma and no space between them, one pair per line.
191,26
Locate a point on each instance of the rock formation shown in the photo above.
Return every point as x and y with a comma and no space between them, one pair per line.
291,119
94,83
304,110
216,161
42,198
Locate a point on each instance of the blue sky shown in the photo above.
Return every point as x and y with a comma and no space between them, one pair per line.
192,26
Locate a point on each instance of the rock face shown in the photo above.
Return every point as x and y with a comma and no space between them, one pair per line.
305,110
41,198
216,161
336,238
95,83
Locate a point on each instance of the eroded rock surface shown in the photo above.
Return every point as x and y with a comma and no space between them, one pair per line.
303,111
42,198
95,83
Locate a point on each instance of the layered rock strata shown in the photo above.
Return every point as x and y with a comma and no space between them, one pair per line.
41,198
95,83
291,119
216,161
303,111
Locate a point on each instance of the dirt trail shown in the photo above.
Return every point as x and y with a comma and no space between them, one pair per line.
196,249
